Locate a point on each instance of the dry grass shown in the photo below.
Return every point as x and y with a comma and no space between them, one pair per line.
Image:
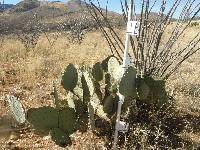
29,75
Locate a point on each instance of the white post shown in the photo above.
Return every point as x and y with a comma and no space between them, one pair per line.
125,66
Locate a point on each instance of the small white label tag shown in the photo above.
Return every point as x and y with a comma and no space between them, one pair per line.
133,27
122,126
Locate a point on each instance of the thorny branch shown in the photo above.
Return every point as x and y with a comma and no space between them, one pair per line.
151,55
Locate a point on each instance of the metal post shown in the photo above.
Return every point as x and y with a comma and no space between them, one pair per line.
125,66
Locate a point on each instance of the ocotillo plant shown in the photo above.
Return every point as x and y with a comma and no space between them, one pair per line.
149,55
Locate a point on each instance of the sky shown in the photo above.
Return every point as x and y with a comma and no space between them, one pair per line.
114,5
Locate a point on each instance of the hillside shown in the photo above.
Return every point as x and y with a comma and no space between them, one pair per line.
24,6
49,16
4,7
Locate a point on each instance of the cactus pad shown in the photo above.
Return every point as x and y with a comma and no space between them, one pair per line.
88,83
91,116
70,100
86,90
69,78
67,120
43,119
110,105
115,69
55,95
104,63
17,108
113,88
78,89
59,137
98,91
75,103
143,89
157,90
97,72
127,86
107,85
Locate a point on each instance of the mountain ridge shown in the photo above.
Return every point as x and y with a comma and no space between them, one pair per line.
28,5
4,7
50,16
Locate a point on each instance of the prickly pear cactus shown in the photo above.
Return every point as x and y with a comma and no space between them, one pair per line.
43,119
113,89
110,105
60,123
17,108
69,78
86,90
92,92
89,82
143,90
98,91
67,120
91,116
59,137
97,72
115,69
127,86
104,63
55,95
107,85
70,100
78,90
157,94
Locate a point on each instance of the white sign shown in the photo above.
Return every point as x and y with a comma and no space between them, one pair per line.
122,126
133,27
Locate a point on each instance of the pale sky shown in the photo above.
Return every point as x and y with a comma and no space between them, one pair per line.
114,5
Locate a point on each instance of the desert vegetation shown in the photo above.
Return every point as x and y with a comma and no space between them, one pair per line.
60,77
